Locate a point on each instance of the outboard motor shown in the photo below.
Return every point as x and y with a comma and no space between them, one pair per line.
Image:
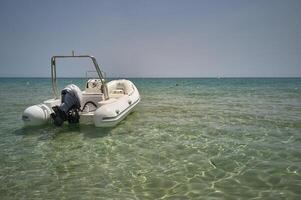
68,110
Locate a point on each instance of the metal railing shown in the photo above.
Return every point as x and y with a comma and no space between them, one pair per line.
99,72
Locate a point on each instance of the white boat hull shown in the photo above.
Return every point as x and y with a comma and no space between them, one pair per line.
123,98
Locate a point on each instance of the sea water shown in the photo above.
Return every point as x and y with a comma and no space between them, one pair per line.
188,139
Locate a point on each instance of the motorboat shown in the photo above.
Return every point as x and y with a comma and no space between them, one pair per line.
102,103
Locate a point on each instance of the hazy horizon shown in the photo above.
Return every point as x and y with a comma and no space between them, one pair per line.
166,77
152,38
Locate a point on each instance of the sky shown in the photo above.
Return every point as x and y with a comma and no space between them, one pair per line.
152,38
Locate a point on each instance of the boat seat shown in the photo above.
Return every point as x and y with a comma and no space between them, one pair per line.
117,93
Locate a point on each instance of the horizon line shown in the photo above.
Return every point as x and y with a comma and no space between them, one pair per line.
152,77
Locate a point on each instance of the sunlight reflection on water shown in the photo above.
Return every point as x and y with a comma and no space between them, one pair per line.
187,139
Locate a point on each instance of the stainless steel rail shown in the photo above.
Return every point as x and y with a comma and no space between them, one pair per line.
100,74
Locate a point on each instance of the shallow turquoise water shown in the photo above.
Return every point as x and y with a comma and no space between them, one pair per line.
187,139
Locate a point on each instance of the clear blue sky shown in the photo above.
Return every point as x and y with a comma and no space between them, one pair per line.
153,38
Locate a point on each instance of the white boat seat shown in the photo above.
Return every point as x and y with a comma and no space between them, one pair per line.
116,93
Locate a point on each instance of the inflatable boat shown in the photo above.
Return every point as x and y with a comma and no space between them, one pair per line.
101,103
